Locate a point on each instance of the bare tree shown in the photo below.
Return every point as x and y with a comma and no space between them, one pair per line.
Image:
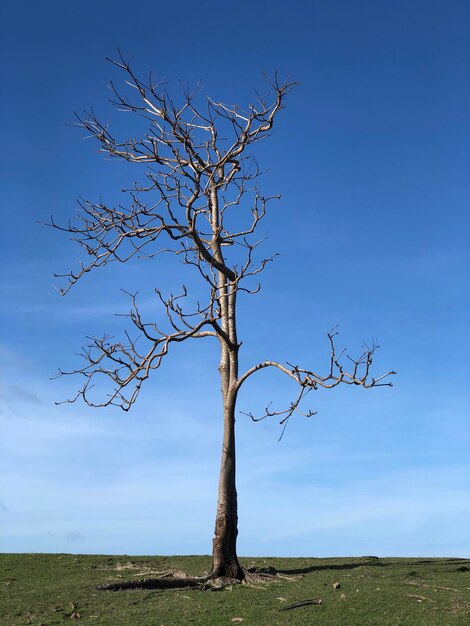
200,179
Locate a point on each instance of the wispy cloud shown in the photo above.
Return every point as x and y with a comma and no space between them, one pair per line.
132,486
146,482
17,400
74,537
17,393
11,359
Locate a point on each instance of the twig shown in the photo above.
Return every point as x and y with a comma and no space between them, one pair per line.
296,605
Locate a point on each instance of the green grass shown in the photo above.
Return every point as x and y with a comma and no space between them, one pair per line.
52,589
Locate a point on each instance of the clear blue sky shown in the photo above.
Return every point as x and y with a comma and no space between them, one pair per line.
371,157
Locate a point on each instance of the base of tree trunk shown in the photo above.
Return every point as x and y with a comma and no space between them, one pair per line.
232,569
212,581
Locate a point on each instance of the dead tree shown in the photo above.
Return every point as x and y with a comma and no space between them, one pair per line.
200,176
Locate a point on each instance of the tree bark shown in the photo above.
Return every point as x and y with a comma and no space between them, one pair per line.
224,550
224,554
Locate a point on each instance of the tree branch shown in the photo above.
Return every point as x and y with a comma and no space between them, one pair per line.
359,374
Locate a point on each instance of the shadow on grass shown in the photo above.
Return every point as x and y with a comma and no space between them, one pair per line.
153,583
320,568
437,561
459,565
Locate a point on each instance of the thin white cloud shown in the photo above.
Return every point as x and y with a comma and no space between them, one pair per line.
132,486
18,393
146,482
12,360
74,537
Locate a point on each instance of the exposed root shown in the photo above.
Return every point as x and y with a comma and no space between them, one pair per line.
176,579
154,583
266,574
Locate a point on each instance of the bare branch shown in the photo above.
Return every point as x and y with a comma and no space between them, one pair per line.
359,375
125,364
285,414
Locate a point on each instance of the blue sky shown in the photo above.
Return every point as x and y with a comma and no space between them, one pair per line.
371,157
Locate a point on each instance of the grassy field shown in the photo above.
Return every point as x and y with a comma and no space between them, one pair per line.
51,589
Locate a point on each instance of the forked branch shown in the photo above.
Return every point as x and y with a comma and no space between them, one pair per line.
197,166
127,364
357,374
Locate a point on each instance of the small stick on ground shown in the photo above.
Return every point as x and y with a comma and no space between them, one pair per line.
420,598
296,605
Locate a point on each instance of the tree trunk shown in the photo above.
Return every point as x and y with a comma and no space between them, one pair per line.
224,550
224,554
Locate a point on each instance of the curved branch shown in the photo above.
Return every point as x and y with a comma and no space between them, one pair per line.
308,380
261,366
336,374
